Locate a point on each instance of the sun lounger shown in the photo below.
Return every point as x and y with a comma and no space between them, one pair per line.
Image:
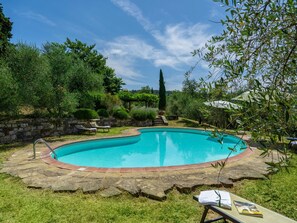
233,215
82,128
292,143
103,127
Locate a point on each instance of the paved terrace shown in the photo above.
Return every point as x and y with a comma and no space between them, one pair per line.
44,172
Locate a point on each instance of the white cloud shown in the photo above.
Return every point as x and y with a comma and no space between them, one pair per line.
131,47
37,17
122,54
175,42
132,9
180,40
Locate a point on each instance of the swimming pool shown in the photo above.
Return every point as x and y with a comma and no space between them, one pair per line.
153,147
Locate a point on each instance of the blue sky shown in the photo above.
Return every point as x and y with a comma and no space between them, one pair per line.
139,37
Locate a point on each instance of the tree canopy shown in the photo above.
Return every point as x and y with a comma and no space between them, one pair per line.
257,51
258,42
97,62
5,31
258,48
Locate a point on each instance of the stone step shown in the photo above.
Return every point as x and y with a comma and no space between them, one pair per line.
160,121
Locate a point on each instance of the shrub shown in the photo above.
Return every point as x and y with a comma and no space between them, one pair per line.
120,113
138,114
103,113
142,114
151,114
85,113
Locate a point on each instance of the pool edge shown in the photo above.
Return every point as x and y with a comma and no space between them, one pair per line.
46,157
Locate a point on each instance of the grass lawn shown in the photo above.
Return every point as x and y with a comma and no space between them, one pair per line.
21,204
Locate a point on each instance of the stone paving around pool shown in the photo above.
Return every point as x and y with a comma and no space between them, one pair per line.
36,173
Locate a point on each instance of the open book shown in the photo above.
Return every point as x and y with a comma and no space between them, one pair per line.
247,208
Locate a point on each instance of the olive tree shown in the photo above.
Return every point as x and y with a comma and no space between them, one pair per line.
30,70
258,48
8,90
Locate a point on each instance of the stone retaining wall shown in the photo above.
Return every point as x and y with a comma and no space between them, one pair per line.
31,129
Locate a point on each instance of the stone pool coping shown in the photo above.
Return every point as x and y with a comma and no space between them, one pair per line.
43,172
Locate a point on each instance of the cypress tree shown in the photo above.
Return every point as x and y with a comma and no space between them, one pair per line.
162,92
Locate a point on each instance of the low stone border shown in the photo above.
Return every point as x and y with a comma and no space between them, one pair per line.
144,182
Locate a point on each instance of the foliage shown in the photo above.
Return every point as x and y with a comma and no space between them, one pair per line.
8,91
82,79
97,63
151,114
120,113
149,99
86,53
98,99
126,96
5,31
103,113
31,72
142,114
258,49
111,82
85,100
162,92
62,101
110,101
85,113
146,89
176,103
197,110
57,79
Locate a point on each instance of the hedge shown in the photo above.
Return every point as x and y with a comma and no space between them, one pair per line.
85,113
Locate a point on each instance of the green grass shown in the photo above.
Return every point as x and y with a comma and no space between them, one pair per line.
21,204
279,194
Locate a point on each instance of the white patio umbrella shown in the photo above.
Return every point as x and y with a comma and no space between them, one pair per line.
222,104
255,95
248,96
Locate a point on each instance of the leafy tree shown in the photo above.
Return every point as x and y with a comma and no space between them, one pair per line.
96,62
145,89
258,46
112,84
62,101
30,70
5,31
82,78
162,92
8,91
176,104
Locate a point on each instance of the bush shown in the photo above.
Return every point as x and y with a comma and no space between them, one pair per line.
85,113
142,114
120,113
151,114
103,113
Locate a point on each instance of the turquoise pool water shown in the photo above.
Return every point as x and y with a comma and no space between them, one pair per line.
154,147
